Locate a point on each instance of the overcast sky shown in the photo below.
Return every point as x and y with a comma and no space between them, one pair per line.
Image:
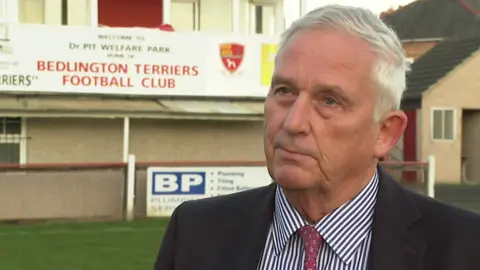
376,6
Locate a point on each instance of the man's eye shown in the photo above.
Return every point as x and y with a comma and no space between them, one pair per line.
331,101
282,91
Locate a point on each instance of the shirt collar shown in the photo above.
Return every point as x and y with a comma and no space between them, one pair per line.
343,230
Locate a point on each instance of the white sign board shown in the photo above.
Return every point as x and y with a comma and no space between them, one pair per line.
134,61
168,187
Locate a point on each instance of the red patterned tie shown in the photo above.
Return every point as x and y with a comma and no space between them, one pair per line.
312,241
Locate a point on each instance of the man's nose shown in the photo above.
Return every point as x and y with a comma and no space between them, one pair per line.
298,117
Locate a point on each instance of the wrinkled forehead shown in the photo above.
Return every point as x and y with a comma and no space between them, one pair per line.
325,56
326,45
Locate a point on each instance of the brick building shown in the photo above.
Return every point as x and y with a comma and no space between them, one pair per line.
421,31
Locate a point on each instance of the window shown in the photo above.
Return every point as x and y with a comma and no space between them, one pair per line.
265,21
269,16
61,12
3,22
443,124
215,15
77,13
184,15
3,11
33,11
11,140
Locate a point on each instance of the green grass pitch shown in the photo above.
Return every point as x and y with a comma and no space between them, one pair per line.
81,246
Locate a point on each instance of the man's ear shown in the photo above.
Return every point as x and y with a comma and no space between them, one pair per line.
391,129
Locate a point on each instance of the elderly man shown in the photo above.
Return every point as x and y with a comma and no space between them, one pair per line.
331,113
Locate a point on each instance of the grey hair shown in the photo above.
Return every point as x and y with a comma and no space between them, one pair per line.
391,65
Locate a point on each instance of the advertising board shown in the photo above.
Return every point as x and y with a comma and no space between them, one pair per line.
168,187
132,61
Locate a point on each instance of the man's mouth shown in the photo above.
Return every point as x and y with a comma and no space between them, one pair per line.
290,154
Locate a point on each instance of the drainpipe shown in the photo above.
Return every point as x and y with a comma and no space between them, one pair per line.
94,13
126,138
166,7
235,16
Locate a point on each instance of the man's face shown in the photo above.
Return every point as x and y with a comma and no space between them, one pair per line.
319,126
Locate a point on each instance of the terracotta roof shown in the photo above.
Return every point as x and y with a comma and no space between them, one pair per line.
436,64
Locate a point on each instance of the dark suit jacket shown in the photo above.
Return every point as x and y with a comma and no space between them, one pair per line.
410,232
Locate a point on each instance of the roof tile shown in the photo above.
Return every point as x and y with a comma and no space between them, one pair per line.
437,63
434,19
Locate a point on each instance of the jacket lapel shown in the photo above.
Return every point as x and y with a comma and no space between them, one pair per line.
395,244
245,236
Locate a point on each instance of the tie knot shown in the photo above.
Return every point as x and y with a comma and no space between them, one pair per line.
311,238
309,232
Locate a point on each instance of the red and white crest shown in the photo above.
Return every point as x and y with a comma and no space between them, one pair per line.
231,55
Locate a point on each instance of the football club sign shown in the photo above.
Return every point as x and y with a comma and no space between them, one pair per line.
231,55
134,62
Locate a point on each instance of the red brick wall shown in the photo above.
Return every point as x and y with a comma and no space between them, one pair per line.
130,13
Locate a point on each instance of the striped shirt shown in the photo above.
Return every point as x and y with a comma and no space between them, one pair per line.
346,232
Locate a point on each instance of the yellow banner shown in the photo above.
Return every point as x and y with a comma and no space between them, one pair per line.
268,62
